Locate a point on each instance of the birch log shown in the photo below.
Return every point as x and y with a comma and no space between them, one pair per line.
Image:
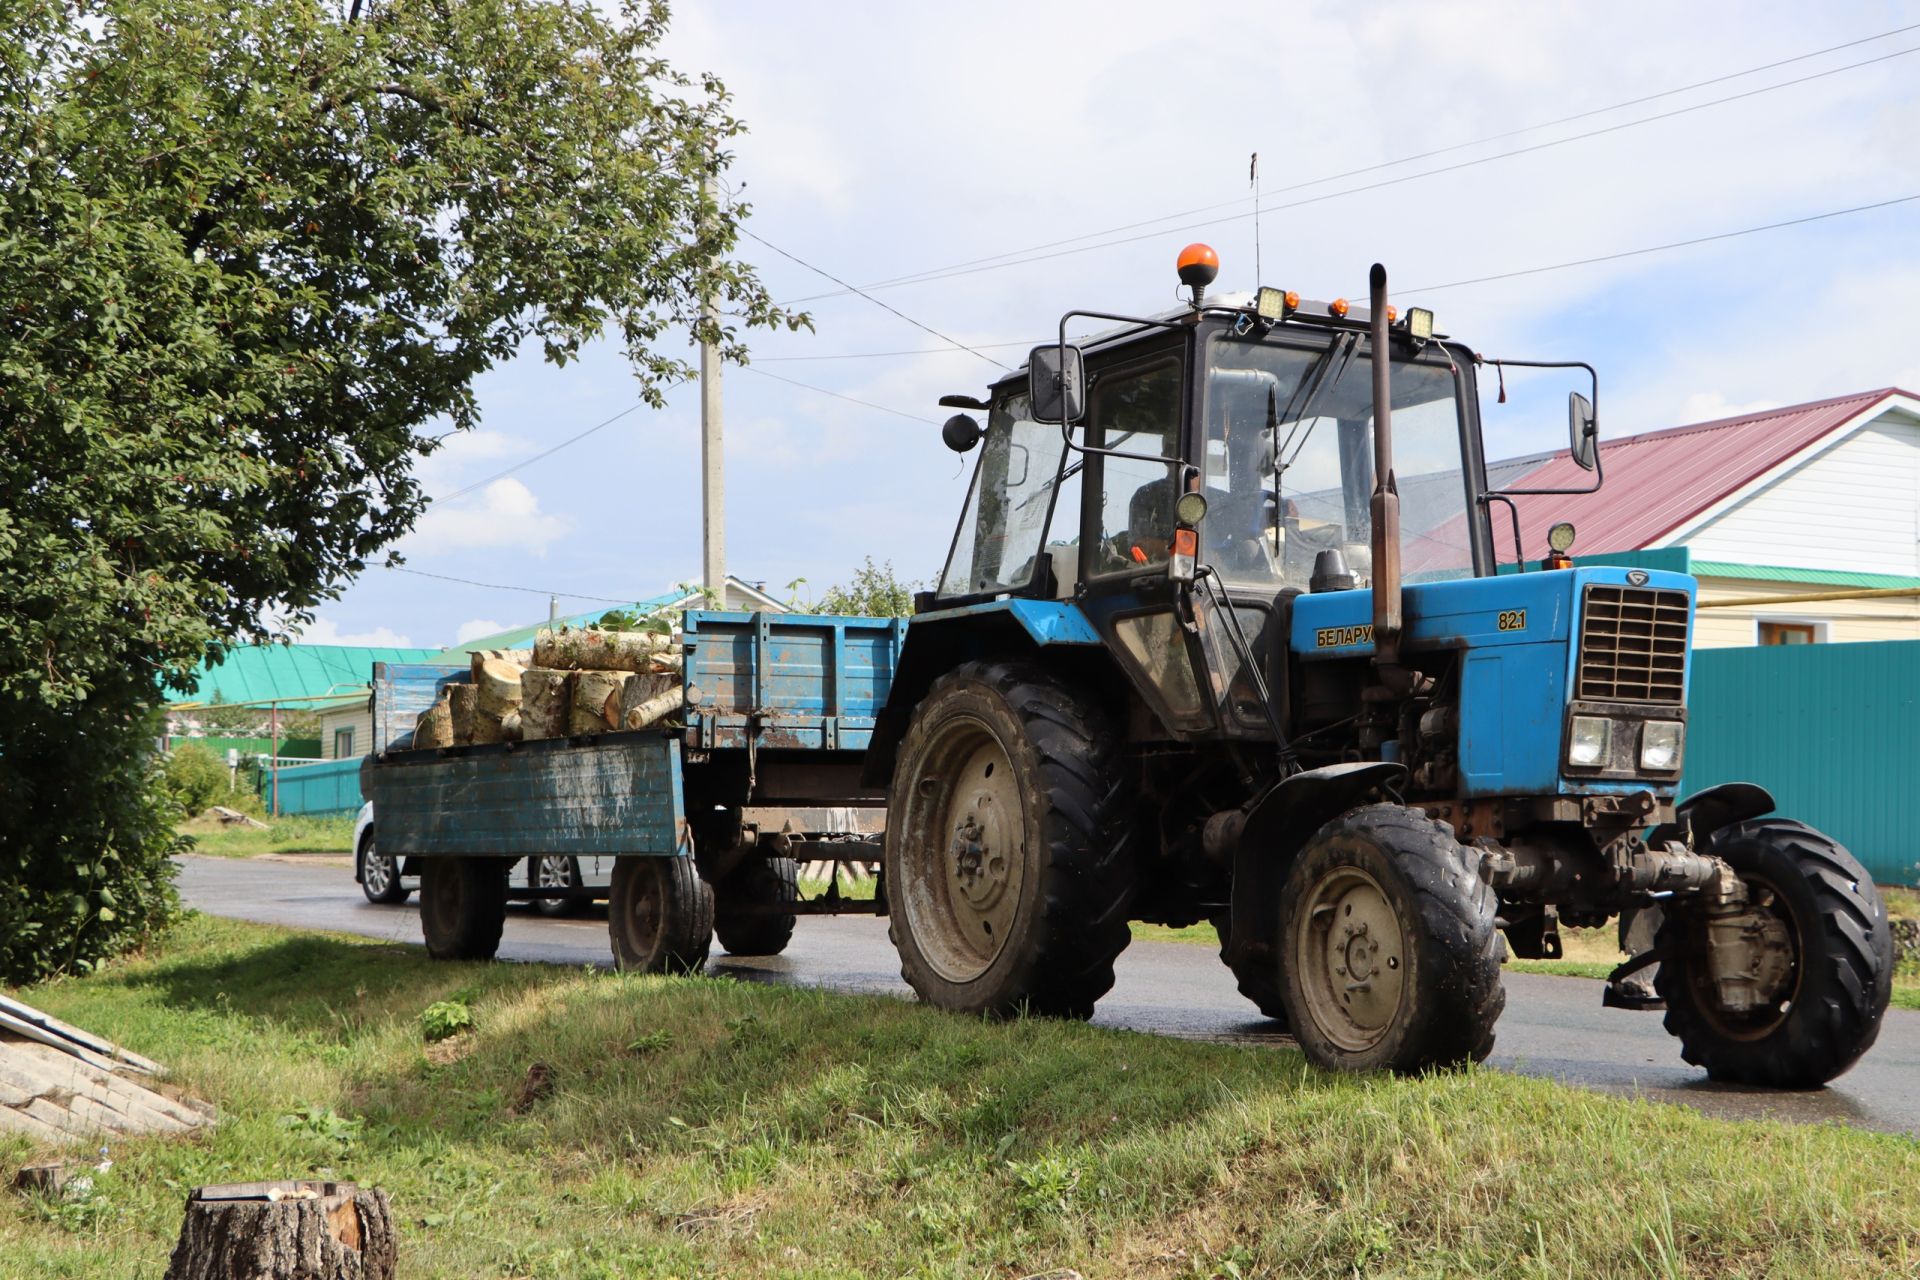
460,711
434,728
514,657
510,726
598,698
496,684
599,650
543,704
657,708
486,729
639,691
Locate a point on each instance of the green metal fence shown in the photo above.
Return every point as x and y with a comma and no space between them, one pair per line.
1832,730
330,786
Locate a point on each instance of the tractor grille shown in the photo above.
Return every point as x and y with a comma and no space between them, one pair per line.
1633,645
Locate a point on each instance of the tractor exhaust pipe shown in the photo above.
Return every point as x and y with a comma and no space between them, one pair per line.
1385,503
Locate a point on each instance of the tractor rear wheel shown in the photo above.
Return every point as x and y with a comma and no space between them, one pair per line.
1008,871
659,915
1826,1008
463,906
761,883
1390,954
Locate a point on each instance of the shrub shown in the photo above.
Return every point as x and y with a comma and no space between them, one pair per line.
194,777
445,1018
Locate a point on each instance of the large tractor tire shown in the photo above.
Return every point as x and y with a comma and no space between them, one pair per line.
659,915
1257,978
1829,1007
757,882
463,906
1008,872
1390,955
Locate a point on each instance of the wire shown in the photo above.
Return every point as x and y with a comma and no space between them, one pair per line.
917,351
807,386
870,298
497,586
1662,248
1003,261
544,453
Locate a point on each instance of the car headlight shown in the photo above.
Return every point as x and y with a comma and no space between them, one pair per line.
1660,742
1591,741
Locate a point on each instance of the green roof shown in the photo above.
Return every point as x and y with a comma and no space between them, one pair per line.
1811,577
292,672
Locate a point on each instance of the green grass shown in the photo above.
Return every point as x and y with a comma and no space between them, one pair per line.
713,1128
298,834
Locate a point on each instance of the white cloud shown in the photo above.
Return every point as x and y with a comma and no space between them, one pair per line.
326,631
477,627
504,514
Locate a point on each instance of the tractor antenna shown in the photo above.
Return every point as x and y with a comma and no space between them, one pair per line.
1253,180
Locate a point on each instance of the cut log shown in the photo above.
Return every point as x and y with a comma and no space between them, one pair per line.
543,704
510,726
276,1230
513,657
486,729
599,650
434,728
460,710
597,700
641,690
496,684
657,708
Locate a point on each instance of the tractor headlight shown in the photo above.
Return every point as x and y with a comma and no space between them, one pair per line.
1591,742
1660,742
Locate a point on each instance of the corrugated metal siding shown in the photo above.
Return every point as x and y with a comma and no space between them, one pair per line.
1833,731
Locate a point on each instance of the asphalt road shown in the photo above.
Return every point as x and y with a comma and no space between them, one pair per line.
1553,1027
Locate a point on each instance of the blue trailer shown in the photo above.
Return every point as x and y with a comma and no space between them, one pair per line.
706,821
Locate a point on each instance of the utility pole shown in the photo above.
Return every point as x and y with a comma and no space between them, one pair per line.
713,484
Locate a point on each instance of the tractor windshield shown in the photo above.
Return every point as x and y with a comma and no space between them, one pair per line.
1289,462
998,541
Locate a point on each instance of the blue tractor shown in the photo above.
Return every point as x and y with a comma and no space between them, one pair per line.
1223,635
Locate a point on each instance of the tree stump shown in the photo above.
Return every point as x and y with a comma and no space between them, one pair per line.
285,1231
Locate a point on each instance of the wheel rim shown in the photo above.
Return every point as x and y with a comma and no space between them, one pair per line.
1760,1023
642,914
967,865
1351,959
553,872
376,872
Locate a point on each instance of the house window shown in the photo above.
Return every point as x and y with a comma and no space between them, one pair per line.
1787,633
343,742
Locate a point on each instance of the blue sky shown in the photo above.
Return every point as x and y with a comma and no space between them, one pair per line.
892,139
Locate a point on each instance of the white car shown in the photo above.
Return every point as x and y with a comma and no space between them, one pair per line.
381,880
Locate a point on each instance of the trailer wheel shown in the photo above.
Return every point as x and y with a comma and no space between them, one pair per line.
463,906
757,882
659,915
1007,869
379,875
1258,979
555,871
1827,1010
1391,957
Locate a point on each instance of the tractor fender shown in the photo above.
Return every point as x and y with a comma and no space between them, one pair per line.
1705,812
1278,825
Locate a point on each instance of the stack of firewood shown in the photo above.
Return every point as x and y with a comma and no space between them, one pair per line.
571,682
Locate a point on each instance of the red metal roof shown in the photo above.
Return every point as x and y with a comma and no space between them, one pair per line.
1658,481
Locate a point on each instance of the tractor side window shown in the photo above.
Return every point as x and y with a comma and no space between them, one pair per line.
1136,411
1000,532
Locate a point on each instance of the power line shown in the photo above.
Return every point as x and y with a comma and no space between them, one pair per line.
1662,248
870,298
916,351
808,386
544,453
1018,258
497,586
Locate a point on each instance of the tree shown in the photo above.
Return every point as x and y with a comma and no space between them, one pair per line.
874,592
247,252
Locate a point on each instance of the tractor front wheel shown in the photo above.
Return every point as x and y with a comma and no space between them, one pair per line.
1390,950
1816,1013
1007,869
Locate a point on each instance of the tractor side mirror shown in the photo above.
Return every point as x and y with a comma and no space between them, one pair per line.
1056,384
1582,433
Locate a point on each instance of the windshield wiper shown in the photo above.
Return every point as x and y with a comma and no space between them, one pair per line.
1342,348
